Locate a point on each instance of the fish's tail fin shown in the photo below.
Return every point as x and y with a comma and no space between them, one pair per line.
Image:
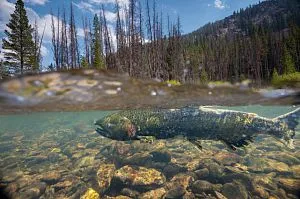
292,118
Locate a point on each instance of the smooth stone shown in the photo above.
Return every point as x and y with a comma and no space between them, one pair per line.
175,192
296,170
202,173
289,184
140,177
138,159
105,174
51,177
261,192
85,161
227,158
201,186
161,156
234,191
156,193
90,194
130,193
183,180
172,169
33,191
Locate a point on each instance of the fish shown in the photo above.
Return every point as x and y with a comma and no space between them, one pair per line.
234,128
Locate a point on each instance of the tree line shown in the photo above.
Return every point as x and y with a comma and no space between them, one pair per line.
148,44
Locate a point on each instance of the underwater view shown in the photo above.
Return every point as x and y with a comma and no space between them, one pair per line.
150,99
61,155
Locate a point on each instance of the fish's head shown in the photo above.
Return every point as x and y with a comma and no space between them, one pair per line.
116,127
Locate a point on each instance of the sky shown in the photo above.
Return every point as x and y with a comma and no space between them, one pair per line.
193,14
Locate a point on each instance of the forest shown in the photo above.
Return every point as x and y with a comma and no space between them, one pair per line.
261,42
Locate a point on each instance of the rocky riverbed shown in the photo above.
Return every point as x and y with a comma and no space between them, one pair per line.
76,162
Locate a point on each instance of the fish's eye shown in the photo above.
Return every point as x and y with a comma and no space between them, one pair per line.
110,125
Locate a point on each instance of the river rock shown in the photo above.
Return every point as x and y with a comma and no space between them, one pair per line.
261,192
182,179
227,158
156,193
51,177
234,191
277,166
138,159
161,156
202,173
266,181
216,171
105,174
140,177
33,191
172,169
284,157
86,161
201,186
130,193
291,185
296,170
176,191
90,194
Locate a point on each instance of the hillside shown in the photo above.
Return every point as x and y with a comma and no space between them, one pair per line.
273,15
252,43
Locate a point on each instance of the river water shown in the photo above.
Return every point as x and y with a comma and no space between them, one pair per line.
49,147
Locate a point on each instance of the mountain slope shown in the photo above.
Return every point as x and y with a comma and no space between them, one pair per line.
274,15
252,43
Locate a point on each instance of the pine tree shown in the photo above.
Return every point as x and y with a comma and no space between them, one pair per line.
96,48
19,46
83,62
288,62
203,76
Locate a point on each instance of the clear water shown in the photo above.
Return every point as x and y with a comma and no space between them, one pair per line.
59,155
49,147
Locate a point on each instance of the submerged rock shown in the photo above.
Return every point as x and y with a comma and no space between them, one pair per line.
201,186
86,161
156,193
261,192
291,185
161,156
202,173
33,191
140,177
175,192
51,177
296,170
234,191
90,194
172,169
105,174
130,193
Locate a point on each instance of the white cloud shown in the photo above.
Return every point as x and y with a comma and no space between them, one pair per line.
36,2
44,51
219,4
110,16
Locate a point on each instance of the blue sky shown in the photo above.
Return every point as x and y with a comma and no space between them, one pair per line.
193,14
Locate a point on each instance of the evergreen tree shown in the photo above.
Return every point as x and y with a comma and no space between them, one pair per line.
83,62
288,62
19,46
275,77
96,48
203,76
